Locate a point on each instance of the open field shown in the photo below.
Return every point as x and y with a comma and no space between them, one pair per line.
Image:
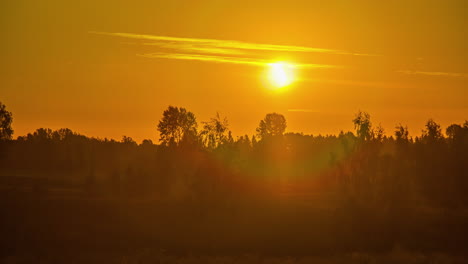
56,226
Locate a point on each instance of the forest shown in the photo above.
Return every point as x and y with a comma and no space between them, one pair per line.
201,191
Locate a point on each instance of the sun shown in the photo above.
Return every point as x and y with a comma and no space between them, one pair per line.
280,74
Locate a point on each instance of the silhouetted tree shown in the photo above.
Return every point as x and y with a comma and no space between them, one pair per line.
454,131
147,142
215,132
401,133
402,140
128,140
6,118
378,133
41,135
363,125
273,124
230,139
433,132
62,134
176,124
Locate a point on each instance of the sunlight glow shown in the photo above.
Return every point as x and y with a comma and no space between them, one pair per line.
280,74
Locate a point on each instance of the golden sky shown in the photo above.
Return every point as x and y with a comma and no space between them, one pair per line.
109,68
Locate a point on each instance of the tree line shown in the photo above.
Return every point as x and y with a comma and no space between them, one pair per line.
367,167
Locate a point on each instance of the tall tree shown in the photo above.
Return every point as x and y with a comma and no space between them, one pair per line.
176,124
401,133
215,132
454,131
378,133
363,125
273,124
6,118
433,132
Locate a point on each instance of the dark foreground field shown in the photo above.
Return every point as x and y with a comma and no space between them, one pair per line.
74,229
144,256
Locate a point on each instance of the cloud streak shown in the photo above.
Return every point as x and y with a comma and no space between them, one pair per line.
225,44
443,74
190,47
224,51
225,59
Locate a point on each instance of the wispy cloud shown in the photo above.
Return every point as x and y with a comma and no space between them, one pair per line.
357,83
230,44
444,74
224,59
223,51
199,57
201,48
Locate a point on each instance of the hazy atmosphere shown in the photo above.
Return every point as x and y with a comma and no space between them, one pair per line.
279,132
87,65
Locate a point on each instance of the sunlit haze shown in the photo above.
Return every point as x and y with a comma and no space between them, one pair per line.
108,69
234,131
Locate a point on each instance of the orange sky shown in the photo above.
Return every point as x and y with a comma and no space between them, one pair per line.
403,62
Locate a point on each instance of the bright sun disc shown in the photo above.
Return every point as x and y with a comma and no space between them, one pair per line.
280,74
